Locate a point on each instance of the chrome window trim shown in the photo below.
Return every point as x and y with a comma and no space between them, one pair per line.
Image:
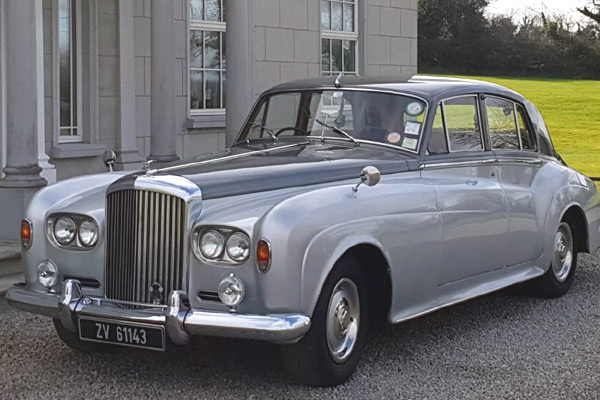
479,116
439,165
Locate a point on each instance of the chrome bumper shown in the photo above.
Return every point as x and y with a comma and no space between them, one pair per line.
179,321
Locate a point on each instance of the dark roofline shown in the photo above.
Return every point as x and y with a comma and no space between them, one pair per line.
432,88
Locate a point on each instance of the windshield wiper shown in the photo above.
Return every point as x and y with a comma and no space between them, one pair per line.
338,131
269,131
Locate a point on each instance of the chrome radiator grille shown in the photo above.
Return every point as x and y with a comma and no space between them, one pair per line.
145,234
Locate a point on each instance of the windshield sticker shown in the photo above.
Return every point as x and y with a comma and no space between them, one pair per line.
410,144
412,128
394,137
415,109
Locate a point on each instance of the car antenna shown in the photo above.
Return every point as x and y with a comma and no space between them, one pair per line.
338,82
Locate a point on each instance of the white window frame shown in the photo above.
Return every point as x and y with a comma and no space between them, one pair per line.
56,74
340,35
203,25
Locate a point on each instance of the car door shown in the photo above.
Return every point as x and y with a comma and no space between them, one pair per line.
471,202
512,140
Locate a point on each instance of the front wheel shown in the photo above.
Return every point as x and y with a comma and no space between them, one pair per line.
330,351
559,277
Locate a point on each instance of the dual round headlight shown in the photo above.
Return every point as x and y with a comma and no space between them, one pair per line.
66,229
217,245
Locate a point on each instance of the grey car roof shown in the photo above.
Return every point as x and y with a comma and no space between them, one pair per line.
431,88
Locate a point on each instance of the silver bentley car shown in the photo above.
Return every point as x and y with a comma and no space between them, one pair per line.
343,202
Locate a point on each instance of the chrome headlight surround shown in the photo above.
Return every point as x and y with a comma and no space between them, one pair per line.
232,239
85,235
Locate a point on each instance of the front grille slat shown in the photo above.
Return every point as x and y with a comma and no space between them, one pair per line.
145,234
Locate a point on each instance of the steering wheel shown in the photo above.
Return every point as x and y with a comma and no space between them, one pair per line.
289,128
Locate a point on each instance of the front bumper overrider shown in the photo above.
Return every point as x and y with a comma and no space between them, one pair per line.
180,321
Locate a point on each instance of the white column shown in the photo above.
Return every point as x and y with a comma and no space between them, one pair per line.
24,86
48,170
127,154
163,139
240,67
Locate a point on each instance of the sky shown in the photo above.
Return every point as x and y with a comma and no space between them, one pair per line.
563,7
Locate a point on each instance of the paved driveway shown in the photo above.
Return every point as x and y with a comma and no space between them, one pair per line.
506,345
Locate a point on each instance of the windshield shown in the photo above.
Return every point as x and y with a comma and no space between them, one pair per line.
369,116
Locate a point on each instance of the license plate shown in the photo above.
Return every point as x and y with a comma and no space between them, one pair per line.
129,334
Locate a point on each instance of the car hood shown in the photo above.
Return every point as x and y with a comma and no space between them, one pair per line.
253,167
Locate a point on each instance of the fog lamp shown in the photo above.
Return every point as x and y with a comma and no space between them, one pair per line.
47,273
231,291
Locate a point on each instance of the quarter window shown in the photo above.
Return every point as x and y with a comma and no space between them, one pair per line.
462,123
207,56
339,37
525,132
504,134
437,141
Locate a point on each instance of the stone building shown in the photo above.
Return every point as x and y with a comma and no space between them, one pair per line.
154,78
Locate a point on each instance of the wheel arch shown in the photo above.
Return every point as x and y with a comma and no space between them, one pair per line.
363,250
575,217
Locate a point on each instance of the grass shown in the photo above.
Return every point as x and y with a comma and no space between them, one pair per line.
571,109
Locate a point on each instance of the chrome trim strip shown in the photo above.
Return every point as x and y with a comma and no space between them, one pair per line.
458,164
517,160
222,159
179,321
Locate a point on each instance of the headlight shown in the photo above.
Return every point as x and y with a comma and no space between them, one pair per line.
64,230
88,233
47,273
212,244
238,247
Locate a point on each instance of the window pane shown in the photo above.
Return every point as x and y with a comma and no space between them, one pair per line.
197,9
224,50
213,89
336,55
213,10
325,56
212,50
196,49
336,16
526,134
196,90
283,112
437,141
349,56
463,124
502,124
64,43
349,17
325,15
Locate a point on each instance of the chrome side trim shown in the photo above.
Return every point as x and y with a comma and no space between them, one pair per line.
516,160
179,321
458,164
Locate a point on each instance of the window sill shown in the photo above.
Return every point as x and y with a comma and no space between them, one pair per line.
206,121
77,150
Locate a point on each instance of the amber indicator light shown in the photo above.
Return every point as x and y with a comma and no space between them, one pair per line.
263,255
25,234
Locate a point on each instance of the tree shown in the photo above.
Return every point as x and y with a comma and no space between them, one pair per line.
590,12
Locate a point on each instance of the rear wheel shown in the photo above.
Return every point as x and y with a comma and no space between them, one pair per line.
330,351
72,340
559,277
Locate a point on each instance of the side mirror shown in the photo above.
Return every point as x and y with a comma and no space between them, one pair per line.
370,176
110,158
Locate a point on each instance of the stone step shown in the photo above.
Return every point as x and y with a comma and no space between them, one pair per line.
10,258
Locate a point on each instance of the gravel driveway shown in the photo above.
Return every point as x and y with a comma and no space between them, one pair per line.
506,345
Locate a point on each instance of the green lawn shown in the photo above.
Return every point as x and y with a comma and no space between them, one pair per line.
571,109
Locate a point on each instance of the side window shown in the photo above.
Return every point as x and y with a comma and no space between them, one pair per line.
462,123
502,123
437,141
527,139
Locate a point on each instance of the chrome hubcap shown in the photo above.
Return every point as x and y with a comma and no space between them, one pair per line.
343,318
563,253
